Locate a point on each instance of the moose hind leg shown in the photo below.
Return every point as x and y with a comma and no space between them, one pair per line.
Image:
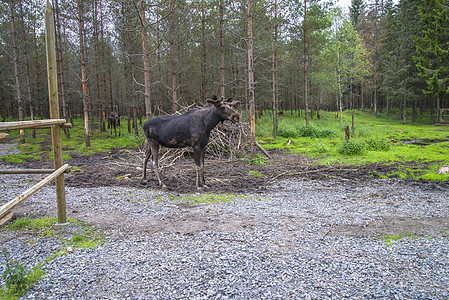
155,156
147,156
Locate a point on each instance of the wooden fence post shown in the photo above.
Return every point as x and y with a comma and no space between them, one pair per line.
54,109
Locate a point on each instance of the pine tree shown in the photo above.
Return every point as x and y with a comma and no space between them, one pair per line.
432,47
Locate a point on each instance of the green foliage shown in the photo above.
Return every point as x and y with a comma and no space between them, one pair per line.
203,198
374,140
378,144
433,47
15,275
319,147
259,160
18,277
352,148
305,131
256,174
44,224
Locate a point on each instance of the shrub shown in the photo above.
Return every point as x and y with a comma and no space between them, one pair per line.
351,148
378,145
287,132
307,131
325,133
319,148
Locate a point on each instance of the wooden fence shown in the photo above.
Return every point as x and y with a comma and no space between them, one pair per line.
55,123
56,174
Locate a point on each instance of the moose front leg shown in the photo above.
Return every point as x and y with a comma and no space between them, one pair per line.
198,156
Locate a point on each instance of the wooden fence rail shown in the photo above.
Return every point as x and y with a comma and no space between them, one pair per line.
36,124
4,209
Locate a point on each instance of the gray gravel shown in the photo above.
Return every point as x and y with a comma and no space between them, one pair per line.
299,239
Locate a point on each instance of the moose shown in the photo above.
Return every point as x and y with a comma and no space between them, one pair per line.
114,122
190,129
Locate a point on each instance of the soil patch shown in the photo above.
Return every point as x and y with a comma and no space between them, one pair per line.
121,167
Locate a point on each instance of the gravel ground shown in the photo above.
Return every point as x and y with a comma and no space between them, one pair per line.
300,239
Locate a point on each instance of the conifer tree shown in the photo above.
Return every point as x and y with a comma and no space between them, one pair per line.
432,48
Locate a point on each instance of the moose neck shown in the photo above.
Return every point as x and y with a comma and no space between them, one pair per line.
212,118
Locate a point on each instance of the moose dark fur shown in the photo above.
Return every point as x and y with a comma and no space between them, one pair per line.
190,129
114,122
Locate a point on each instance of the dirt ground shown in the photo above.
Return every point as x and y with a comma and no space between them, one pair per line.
124,168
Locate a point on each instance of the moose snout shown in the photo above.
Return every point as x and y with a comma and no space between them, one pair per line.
235,118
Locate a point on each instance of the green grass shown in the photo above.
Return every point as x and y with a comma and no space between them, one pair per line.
203,198
373,140
84,236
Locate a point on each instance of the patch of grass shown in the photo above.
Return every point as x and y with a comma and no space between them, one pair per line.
19,158
19,277
391,239
43,225
256,174
259,160
205,198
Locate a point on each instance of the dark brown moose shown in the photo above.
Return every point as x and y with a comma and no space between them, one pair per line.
190,129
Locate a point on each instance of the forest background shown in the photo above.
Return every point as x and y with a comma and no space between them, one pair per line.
143,58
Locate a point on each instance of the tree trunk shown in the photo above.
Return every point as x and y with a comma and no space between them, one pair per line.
60,66
146,63
203,53
15,58
27,68
252,108
222,62
38,74
175,105
83,73
306,92
274,62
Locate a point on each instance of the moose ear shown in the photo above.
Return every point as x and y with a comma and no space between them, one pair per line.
232,102
215,101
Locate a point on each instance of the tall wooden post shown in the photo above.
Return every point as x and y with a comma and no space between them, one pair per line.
52,75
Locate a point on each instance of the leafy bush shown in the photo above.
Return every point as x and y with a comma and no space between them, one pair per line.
287,132
307,131
319,148
378,145
325,133
351,148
